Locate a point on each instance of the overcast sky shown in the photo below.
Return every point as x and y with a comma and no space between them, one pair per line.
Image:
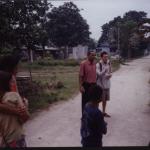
98,12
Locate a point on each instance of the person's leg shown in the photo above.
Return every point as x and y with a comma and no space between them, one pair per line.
84,96
106,97
83,101
103,101
104,106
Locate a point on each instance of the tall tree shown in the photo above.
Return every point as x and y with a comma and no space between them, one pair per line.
66,26
122,34
92,44
22,22
136,16
104,36
126,30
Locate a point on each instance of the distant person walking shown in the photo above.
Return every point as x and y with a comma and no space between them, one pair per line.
87,76
104,73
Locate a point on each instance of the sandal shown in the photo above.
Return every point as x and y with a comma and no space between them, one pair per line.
106,115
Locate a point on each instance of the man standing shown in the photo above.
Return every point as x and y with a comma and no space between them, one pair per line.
87,76
104,73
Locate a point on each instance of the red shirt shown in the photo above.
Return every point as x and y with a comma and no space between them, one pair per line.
88,71
13,84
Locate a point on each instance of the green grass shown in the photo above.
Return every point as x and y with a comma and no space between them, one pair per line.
115,65
44,76
46,63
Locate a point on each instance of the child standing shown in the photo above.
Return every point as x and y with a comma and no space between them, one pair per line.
93,125
11,128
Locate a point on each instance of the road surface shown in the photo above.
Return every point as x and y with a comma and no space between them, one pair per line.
129,125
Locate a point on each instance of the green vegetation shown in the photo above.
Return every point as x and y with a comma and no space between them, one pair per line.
68,62
66,27
26,23
115,65
46,63
126,34
53,83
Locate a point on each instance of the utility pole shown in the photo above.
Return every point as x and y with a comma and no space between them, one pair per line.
118,40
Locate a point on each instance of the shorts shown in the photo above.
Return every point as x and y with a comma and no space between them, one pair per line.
106,95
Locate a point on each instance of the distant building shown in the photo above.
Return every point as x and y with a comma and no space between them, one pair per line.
38,51
78,52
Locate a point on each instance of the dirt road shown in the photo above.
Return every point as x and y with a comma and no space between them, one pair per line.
128,126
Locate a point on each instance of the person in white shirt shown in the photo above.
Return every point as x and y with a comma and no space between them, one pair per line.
104,73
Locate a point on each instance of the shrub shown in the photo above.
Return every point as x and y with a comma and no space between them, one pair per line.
70,62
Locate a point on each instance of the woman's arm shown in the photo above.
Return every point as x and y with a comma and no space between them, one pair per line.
8,110
23,114
20,111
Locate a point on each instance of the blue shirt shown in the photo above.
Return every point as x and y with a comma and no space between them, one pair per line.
92,123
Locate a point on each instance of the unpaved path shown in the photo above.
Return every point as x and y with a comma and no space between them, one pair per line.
128,126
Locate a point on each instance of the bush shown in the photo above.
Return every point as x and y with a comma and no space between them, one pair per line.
70,62
39,94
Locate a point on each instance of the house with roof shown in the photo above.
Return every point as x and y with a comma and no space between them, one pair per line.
78,52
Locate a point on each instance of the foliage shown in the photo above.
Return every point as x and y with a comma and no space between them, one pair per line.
50,84
92,44
22,23
66,27
45,63
124,32
32,22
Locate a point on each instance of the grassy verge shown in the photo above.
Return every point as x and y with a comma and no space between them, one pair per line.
149,84
115,65
53,82
46,63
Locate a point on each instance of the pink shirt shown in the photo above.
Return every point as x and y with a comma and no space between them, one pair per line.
88,71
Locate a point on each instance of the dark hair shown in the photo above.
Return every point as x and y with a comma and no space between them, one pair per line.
5,78
95,93
89,52
8,63
103,53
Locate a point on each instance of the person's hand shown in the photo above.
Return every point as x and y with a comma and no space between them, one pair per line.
25,101
82,90
23,114
105,70
108,76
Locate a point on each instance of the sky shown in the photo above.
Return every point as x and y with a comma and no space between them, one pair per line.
99,12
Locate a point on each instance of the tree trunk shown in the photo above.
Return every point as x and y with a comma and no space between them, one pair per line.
44,52
31,55
30,61
129,52
65,52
